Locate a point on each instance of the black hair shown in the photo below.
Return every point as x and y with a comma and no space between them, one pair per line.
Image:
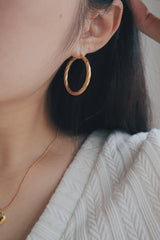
116,98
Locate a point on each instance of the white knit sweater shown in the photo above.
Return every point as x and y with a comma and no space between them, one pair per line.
110,191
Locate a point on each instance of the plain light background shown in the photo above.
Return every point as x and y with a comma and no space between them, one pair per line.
151,52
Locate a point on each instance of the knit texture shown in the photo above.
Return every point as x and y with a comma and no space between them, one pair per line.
111,190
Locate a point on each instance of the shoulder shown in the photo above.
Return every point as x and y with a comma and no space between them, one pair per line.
120,139
127,182
119,176
120,151
121,142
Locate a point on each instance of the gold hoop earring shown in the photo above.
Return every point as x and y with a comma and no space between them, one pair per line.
87,80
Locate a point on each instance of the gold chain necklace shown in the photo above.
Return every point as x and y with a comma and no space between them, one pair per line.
2,215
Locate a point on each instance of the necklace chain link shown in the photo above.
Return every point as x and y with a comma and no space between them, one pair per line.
2,216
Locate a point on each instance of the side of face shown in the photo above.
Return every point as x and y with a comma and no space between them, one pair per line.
31,41
33,36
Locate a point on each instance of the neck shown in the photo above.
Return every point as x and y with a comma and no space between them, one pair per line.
25,131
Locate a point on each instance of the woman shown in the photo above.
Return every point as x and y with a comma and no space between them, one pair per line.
76,164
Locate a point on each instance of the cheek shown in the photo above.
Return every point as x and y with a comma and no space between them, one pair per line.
31,36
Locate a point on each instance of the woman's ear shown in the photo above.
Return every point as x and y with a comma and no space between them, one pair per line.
99,27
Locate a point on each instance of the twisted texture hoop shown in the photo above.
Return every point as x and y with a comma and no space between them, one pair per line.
87,80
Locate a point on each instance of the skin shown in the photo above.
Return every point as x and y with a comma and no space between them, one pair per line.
145,21
32,40
31,43
33,36
30,54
